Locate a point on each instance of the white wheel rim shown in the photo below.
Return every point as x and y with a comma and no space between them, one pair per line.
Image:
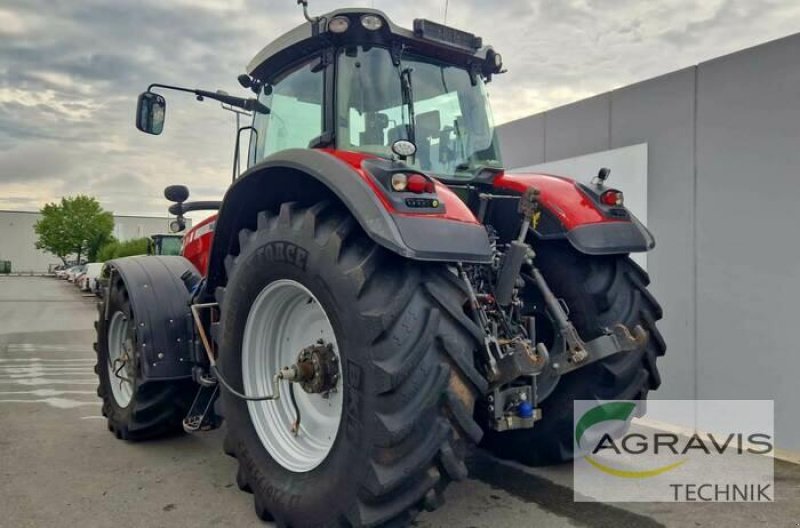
120,356
286,318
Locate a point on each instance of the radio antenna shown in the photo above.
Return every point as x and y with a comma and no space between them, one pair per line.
446,5
304,3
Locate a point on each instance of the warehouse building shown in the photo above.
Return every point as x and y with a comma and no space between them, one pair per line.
18,239
709,158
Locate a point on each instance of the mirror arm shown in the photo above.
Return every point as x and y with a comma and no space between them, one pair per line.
181,208
251,105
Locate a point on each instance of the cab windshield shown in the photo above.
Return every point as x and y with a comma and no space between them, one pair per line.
438,106
169,245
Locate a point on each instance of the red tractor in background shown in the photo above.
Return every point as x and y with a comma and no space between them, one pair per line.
375,292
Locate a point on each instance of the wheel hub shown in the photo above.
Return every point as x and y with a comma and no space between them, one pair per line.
316,370
121,369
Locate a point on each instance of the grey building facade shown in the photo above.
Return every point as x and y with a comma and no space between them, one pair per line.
18,238
722,187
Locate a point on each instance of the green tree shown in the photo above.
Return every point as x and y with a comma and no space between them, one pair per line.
53,232
108,251
75,226
116,249
129,248
96,243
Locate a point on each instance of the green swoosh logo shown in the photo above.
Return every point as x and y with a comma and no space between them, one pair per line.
606,411
615,411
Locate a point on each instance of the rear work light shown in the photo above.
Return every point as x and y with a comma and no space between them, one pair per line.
339,24
446,35
612,198
371,22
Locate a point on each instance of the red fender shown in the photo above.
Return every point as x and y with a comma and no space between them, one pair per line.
455,209
561,196
587,226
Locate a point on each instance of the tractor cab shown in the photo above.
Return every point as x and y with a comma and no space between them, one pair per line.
354,81
351,80
165,244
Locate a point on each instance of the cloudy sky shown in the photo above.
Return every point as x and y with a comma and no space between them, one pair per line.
70,71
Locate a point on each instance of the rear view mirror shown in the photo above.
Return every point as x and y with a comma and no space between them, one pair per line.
151,109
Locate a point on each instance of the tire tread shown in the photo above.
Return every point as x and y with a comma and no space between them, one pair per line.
421,423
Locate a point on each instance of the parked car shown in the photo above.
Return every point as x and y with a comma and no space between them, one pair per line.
88,281
74,271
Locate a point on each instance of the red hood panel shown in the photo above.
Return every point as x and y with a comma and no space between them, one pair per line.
197,243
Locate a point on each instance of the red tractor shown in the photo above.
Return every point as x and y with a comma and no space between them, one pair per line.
375,293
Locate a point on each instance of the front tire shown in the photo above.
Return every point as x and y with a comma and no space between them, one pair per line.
135,409
600,291
407,381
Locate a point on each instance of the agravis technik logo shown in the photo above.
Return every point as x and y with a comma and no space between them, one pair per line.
719,457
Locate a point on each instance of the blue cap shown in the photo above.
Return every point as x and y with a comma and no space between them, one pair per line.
525,409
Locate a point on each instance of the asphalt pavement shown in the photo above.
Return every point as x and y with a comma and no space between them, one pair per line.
60,467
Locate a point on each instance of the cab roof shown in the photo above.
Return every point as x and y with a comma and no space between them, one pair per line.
428,38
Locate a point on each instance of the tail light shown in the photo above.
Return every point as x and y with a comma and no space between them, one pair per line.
415,183
408,191
612,198
418,184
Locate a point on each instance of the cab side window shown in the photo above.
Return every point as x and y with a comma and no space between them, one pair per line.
295,117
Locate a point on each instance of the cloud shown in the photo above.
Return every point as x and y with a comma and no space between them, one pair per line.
33,162
70,73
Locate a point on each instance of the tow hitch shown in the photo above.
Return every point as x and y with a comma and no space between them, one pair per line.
514,359
514,407
578,353
619,339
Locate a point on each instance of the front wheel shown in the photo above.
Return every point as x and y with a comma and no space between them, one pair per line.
135,409
382,425
600,292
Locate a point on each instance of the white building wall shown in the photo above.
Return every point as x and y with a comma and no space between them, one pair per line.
129,227
723,151
18,238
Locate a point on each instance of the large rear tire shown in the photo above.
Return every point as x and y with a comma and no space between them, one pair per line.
407,378
135,409
600,291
